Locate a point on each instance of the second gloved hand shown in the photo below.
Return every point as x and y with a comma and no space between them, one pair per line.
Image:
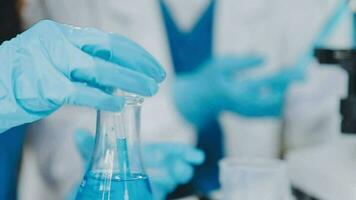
167,164
220,84
52,64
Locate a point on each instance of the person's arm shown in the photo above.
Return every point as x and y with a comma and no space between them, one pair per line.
223,84
54,64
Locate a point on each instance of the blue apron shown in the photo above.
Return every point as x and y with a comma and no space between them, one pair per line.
11,143
189,50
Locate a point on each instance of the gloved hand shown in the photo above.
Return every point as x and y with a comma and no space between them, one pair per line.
52,64
167,164
220,84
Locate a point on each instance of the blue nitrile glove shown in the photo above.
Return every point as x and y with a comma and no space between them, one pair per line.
52,64
167,164
220,84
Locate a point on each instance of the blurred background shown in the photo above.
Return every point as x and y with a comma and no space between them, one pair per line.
264,88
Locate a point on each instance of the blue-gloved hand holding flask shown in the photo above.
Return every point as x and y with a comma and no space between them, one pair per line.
53,64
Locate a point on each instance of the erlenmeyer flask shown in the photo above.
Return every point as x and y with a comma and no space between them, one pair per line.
115,171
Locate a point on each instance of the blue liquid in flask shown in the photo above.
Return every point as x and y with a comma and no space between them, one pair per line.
97,186
116,186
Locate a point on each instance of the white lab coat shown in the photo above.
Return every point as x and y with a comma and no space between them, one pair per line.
277,29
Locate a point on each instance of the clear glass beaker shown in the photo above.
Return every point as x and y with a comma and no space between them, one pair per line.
115,171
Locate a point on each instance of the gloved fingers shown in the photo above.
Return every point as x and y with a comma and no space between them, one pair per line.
181,170
85,143
135,57
298,71
193,155
280,80
272,103
164,151
255,99
267,105
153,155
114,48
159,192
83,95
175,160
273,84
167,176
233,64
96,71
161,179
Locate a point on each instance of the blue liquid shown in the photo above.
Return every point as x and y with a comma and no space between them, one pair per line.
98,186
123,155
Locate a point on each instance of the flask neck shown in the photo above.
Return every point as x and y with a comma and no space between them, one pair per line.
117,148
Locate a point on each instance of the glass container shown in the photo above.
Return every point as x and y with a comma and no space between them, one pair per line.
116,171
